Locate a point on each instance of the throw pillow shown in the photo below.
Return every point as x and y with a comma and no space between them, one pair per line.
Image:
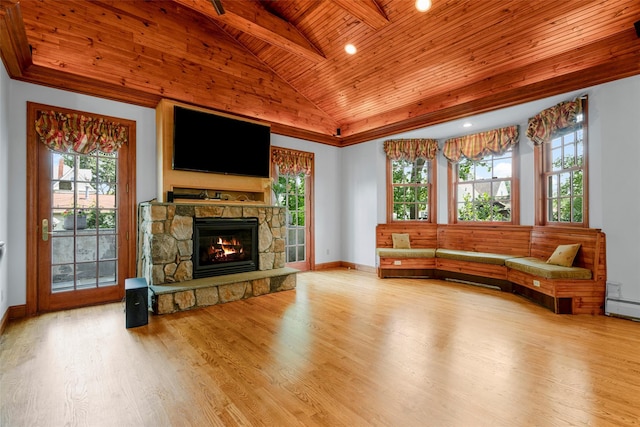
564,255
400,241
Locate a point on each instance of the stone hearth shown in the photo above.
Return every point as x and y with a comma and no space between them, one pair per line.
165,251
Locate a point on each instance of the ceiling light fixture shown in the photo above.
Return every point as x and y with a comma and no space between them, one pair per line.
423,5
466,125
350,49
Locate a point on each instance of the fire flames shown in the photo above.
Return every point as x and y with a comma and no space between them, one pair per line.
227,249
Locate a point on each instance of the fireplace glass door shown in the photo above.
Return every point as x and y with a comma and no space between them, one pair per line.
225,246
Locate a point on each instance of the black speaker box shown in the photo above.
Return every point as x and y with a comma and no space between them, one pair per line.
136,302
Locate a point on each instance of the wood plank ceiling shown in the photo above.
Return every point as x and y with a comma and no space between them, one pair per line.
283,61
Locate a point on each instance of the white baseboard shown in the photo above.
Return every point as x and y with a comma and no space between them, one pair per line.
628,309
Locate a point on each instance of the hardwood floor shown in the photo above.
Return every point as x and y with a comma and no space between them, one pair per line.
344,349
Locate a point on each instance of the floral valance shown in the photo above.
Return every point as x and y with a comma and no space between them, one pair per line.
544,125
475,147
64,132
292,162
411,149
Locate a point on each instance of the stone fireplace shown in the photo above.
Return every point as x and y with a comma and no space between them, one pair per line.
169,257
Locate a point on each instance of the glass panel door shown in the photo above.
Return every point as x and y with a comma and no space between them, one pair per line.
79,261
80,218
83,218
294,198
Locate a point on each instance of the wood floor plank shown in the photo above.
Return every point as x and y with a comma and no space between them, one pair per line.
344,349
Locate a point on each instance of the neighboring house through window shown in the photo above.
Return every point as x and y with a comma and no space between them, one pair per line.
483,188
483,177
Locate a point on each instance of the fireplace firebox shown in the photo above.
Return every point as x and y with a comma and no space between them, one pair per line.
224,246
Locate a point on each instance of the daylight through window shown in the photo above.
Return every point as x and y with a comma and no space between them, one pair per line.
483,188
411,189
564,177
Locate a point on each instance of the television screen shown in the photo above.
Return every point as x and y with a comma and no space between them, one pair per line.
206,142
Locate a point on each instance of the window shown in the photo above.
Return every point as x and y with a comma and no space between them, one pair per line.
411,178
560,135
564,170
292,194
292,188
483,190
411,190
483,176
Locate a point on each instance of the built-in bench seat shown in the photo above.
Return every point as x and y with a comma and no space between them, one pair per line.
513,258
418,261
483,257
478,253
406,253
541,268
579,289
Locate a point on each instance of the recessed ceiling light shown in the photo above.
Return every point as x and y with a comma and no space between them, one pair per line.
467,125
350,49
423,5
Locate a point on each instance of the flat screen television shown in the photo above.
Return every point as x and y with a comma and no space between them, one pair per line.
206,142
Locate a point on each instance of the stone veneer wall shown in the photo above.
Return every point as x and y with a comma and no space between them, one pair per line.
165,231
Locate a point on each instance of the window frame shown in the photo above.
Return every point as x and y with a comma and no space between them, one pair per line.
431,192
542,159
452,179
309,263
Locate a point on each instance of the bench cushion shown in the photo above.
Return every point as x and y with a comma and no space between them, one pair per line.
482,257
539,267
406,253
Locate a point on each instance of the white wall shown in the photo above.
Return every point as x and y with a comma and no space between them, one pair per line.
614,122
360,195
327,189
4,188
19,94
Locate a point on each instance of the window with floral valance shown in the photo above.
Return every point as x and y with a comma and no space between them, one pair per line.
560,137
292,185
291,162
483,176
547,123
411,149
72,132
411,176
476,146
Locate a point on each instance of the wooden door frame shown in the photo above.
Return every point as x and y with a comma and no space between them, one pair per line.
127,222
310,217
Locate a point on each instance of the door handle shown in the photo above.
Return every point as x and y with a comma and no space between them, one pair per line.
45,229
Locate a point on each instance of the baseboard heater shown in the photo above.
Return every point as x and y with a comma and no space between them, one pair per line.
622,308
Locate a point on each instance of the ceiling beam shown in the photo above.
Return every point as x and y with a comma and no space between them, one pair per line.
367,11
253,19
14,46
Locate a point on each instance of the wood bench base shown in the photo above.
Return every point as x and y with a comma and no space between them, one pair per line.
562,296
